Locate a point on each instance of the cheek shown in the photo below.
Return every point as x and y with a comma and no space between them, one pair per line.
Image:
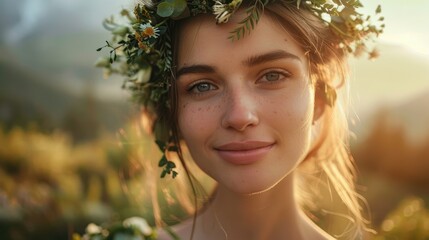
293,112
293,120
196,122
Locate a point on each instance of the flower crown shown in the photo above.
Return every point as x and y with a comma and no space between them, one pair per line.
142,48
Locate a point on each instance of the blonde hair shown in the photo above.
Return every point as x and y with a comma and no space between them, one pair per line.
328,160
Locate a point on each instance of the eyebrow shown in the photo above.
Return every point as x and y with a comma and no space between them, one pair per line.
270,56
195,69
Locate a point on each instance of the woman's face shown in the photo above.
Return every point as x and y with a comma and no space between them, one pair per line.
245,107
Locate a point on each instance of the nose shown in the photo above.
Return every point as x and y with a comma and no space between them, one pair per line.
240,111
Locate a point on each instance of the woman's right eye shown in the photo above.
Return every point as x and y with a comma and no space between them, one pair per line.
201,87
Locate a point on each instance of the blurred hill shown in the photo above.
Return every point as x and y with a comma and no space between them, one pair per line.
28,97
414,116
18,83
411,116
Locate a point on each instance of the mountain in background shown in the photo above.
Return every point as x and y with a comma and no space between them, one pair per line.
414,116
411,117
27,97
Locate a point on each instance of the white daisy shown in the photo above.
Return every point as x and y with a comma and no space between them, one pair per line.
147,30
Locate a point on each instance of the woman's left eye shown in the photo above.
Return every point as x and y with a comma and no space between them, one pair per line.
274,76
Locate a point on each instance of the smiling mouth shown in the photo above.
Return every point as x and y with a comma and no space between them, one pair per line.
243,153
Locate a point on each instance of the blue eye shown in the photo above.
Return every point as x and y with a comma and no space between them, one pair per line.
272,76
275,76
201,87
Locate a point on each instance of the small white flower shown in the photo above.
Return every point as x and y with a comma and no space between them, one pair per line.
93,229
223,17
139,223
147,30
219,7
143,75
222,12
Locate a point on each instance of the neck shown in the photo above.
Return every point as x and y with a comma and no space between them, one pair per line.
272,214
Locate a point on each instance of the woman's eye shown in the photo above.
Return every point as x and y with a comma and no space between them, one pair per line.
201,87
275,76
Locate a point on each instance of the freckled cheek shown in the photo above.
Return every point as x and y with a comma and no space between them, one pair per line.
197,121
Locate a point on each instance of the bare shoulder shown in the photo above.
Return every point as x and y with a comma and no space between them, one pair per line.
182,230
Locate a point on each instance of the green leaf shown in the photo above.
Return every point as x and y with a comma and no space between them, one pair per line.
163,161
247,25
171,165
165,9
164,172
378,10
161,144
252,23
175,174
140,52
179,7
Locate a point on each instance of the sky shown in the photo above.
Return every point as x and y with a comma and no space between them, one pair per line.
406,23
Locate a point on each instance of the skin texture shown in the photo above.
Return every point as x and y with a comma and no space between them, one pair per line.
248,99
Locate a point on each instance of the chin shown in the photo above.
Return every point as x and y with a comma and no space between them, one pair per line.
253,185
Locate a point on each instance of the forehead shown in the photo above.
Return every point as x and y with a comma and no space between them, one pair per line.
202,40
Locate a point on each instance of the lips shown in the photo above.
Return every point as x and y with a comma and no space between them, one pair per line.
243,153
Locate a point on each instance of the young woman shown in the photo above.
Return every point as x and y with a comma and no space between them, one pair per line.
252,95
